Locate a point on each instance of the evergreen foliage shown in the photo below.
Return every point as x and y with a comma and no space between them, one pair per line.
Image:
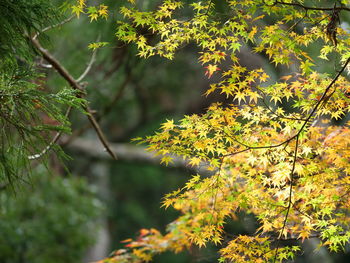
20,19
28,113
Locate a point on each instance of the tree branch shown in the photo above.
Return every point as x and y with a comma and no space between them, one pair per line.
289,197
323,97
53,26
76,86
312,7
89,66
103,113
133,153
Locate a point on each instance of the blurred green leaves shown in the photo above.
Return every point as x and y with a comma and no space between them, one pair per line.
51,220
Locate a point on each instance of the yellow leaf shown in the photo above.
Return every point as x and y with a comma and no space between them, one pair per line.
194,161
169,125
211,69
166,160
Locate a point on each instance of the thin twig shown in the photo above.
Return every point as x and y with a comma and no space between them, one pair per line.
263,100
323,96
89,66
209,6
76,86
53,26
320,101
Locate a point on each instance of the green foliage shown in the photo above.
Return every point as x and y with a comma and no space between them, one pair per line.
28,117
20,19
29,114
52,220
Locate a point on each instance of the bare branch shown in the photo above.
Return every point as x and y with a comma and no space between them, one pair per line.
53,26
75,85
89,66
312,7
104,111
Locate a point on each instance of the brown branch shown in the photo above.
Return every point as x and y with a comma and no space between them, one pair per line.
103,113
306,121
312,7
264,101
76,86
324,98
296,136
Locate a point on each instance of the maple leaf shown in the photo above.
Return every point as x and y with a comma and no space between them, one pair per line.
194,161
77,10
264,77
166,160
169,125
103,11
211,69
97,45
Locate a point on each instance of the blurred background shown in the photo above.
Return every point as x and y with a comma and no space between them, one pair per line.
88,203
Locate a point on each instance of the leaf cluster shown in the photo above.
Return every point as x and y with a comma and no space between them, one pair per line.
272,150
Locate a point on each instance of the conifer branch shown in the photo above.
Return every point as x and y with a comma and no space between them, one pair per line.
53,141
